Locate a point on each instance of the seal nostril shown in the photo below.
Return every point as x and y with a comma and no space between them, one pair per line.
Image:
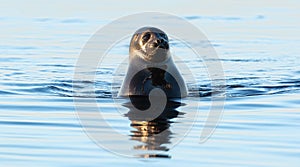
161,44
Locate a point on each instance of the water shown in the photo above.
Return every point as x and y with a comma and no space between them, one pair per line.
260,124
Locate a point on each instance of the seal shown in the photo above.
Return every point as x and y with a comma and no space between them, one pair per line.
151,66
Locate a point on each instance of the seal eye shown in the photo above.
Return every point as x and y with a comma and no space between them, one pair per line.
163,36
146,37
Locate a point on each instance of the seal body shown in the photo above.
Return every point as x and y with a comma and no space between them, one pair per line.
151,66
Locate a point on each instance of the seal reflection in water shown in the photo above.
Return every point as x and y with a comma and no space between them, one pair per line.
155,88
154,134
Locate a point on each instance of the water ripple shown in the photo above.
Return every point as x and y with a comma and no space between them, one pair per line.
66,88
39,124
224,18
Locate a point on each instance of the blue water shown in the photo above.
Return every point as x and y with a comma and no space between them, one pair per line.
259,50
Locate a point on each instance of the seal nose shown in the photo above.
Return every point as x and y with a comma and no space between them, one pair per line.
161,43
158,42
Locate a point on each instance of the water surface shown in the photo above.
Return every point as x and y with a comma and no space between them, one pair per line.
260,123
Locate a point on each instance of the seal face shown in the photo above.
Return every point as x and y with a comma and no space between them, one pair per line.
151,66
150,44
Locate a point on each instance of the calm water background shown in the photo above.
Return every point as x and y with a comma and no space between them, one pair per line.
257,43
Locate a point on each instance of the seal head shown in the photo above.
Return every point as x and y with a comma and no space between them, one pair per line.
150,43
